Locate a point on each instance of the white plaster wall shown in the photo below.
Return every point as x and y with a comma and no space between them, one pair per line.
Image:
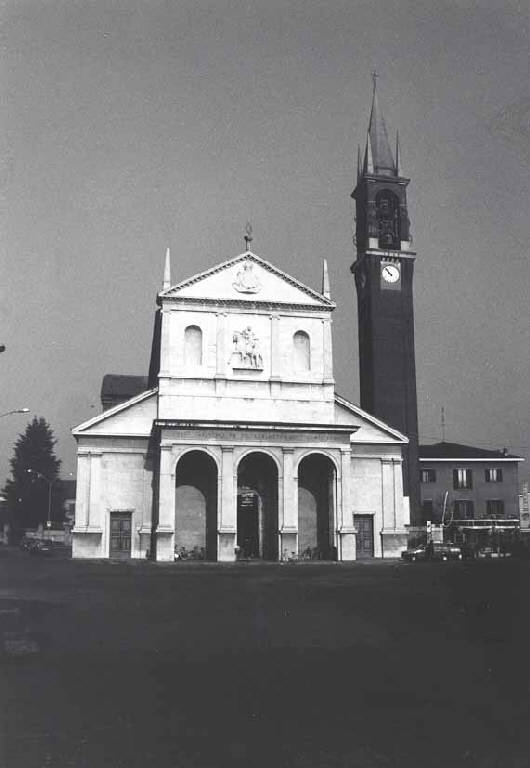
136,419
244,408
111,478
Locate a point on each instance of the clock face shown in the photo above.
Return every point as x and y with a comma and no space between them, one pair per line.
390,273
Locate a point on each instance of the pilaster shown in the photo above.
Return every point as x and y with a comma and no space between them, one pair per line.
327,351
289,495
227,532
166,507
347,533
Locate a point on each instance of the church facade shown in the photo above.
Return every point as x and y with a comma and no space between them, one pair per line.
239,448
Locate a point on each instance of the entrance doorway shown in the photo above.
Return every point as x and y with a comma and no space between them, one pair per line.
257,507
316,508
364,541
120,535
196,507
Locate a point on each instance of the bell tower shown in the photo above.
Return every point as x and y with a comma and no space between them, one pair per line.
383,273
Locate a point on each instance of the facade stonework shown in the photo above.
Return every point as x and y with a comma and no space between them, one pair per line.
240,448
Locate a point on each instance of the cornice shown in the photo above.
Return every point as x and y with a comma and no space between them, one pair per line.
256,304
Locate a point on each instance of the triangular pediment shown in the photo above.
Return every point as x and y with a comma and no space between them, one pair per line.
368,428
247,277
134,418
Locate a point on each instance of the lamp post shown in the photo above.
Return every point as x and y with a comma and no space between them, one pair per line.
50,483
15,410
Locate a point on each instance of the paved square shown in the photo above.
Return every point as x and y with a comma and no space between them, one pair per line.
378,664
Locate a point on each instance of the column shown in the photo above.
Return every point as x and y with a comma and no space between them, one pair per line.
289,491
165,532
227,533
347,547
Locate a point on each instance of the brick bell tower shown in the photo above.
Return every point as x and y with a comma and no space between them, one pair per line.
383,277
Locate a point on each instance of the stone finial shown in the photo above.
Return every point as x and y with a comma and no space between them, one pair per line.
167,272
325,280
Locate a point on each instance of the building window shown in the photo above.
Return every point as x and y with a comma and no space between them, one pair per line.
427,509
427,476
193,345
463,509
462,479
302,351
494,508
494,475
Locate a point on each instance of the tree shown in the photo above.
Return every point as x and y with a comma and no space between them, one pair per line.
27,492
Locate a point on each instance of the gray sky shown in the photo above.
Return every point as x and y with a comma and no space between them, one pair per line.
129,126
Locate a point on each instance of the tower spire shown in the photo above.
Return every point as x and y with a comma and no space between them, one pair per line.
167,272
382,160
325,280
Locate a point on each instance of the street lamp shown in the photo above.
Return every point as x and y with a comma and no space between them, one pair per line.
15,410
50,483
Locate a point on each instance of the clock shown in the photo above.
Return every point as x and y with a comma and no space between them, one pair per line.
390,273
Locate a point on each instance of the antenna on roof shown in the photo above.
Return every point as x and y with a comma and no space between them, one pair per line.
443,423
248,236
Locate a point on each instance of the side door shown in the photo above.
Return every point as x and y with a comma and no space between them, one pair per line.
365,536
120,535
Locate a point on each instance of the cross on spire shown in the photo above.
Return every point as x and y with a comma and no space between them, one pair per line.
248,235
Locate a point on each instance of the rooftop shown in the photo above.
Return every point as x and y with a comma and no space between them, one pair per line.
458,451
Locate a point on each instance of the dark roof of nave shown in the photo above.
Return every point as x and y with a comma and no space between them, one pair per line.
116,385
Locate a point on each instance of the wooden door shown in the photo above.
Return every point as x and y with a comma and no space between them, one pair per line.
365,536
248,524
120,535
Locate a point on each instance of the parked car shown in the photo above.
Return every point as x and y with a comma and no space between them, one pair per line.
433,551
41,547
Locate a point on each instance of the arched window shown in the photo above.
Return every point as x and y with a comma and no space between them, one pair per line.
388,223
302,351
193,345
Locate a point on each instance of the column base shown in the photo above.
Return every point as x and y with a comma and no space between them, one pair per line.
393,543
165,545
347,546
288,544
226,546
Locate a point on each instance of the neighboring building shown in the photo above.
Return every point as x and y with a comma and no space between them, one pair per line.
67,490
524,504
383,277
240,446
480,484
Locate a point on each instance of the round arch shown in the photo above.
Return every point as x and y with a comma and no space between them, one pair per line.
257,505
265,452
317,488
203,449
318,452
196,482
